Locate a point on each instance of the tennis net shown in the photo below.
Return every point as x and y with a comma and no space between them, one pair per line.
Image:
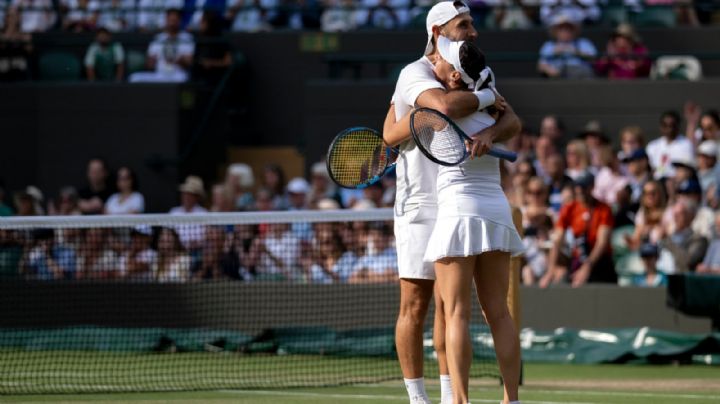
207,301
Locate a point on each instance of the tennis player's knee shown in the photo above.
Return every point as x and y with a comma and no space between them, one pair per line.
415,298
456,311
413,310
495,314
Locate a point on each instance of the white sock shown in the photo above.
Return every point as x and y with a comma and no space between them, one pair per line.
416,391
446,395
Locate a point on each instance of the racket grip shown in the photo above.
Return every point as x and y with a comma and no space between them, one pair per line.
503,154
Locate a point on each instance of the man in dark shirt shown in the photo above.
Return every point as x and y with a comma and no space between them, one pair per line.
98,190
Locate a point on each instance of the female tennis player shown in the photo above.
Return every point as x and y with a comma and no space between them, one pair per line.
474,236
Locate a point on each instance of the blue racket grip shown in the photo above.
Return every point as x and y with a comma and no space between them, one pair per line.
503,154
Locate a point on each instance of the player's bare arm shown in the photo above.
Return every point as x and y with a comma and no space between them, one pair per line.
506,127
455,104
394,132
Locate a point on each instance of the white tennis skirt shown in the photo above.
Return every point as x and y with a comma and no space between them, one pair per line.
465,236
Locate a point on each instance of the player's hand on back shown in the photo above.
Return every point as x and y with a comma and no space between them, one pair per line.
482,142
500,103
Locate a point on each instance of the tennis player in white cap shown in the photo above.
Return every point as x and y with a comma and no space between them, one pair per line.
416,202
474,236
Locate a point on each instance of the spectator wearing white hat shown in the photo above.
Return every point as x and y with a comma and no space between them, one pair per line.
297,190
707,171
566,54
321,187
192,192
684,168
37,198
239,181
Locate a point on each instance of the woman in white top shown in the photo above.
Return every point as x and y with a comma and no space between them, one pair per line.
173,263
127,200
474,235
577,157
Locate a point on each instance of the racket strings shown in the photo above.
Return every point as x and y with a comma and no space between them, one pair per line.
357,157
438,138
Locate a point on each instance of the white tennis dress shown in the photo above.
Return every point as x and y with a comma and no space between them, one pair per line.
473,212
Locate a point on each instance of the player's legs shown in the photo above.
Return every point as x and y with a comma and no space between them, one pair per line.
492,277
415,295
417,278
446,395
439,333
454,281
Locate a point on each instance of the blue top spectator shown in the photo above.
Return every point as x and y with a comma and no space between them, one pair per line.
652,277
48,261
566,55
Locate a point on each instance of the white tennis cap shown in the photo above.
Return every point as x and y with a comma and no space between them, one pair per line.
450,51
298,185
243,173
708,148
440,14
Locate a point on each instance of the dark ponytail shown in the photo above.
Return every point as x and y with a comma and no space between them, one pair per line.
472,60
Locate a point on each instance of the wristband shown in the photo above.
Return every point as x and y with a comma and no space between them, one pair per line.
486,98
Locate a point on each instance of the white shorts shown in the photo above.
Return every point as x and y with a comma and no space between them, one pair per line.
412,233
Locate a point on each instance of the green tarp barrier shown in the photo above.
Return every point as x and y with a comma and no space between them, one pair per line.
637,345
561,346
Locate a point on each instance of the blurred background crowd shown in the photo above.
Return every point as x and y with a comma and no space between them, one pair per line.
633,205
190,43
634,212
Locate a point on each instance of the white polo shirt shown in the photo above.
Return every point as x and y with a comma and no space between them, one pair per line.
416,174
661,154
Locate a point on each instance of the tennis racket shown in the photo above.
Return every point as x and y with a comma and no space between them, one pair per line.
442,141
357,158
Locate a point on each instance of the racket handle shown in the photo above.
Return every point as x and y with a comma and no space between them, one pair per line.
503,154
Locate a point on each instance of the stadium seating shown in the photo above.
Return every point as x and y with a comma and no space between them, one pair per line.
59,66
135,61
656,17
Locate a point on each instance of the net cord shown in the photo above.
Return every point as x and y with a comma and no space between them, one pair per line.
164,219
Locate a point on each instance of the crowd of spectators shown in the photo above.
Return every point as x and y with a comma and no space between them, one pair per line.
590,213
326,15
596,214
568,55
356,252
189,35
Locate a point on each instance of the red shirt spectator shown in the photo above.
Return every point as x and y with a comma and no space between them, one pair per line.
584,222
626,57
589,222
